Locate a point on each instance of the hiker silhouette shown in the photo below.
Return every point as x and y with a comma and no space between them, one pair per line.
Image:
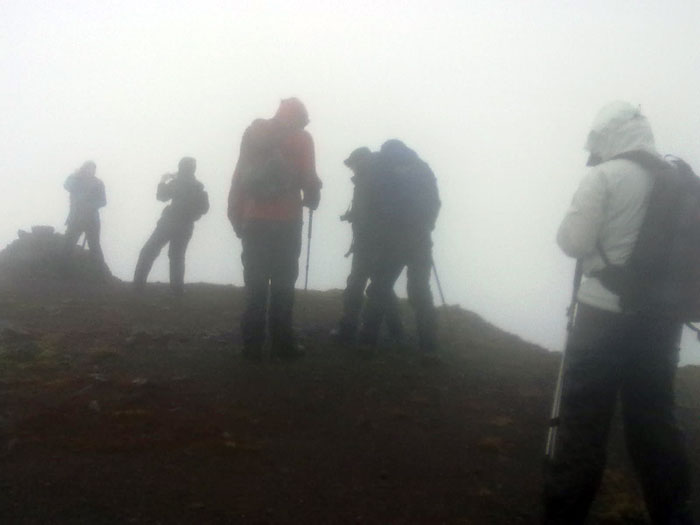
188,202
275,166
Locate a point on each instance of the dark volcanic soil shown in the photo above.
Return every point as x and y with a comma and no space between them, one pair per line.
119,408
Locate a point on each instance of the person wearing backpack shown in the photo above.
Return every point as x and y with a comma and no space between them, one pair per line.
363,249
188,202
275,167
403,206
87,196
616,347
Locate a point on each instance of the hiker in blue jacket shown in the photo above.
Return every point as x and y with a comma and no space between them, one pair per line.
404,206
87,196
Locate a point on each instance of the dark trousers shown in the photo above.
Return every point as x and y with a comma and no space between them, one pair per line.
634,356
417,259
270,266
354,294
91,227
178,236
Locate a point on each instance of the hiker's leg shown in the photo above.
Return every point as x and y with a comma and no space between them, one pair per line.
654,440
353,295
92,235
159,238
284,272
176,254
73,231
590,384
385,273
392,317
256,274
421,298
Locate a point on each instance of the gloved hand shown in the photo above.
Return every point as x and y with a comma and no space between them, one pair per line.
311,199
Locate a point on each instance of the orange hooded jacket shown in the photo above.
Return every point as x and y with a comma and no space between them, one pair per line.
298,149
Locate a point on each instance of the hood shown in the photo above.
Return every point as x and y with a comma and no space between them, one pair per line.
293,113
618,128
396,152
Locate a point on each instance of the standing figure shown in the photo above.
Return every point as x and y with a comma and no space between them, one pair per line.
87,196
404,206
613,351
276,164
188,202
364,249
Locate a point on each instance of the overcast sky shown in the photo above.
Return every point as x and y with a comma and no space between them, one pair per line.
496,96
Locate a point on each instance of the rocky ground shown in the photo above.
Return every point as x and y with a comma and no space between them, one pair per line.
123,408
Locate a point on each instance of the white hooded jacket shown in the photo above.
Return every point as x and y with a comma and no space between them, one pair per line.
611,200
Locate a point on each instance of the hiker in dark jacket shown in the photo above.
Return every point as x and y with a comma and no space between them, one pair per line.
87,196
363,249
612,351
275,167
404,206
188,202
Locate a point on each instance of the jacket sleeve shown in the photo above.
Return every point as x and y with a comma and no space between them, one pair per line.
164,192
306,163
235,194
435,203
578,232
205,202
101,196
70,182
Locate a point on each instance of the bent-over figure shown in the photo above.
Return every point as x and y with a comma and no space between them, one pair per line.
364,251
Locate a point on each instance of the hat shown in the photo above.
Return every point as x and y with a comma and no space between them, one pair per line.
293,112
187,165
357,156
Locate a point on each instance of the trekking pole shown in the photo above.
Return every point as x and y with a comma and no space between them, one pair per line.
308,247
556,403
437,280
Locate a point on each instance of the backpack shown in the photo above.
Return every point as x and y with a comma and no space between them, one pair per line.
407,199
200,204
265,172
662,275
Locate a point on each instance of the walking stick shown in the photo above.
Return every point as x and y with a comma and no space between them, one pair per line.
437,280
556,403
308,247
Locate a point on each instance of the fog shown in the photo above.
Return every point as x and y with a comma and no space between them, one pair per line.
496,96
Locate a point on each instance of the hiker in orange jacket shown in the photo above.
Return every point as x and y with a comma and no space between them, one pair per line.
275,167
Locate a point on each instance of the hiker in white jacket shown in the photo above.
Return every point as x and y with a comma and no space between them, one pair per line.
612,352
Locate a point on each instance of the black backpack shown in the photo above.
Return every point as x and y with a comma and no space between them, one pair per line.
265,173
662,275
